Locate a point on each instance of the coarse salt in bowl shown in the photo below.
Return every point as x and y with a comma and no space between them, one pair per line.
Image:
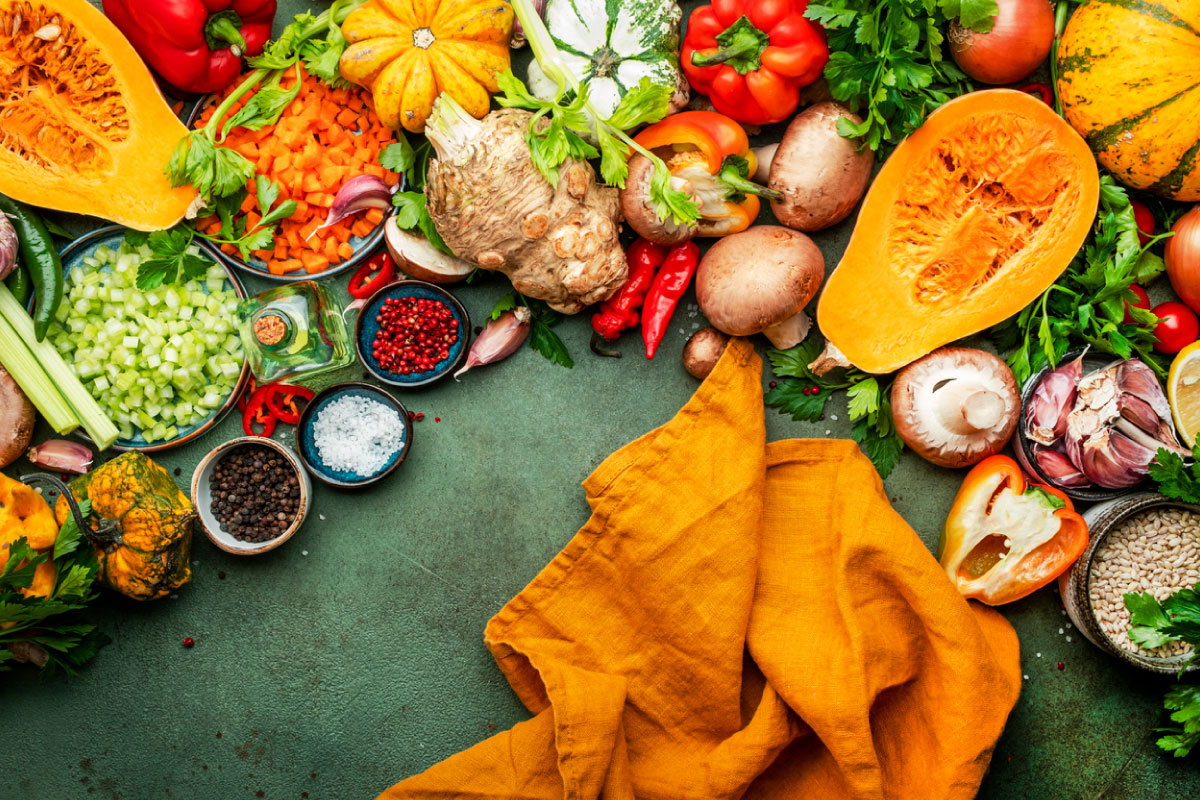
1141,543
353,435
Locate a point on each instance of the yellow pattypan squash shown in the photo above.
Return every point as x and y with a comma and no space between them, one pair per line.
410,51
23,512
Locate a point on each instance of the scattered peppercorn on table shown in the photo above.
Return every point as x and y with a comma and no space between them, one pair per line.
352,656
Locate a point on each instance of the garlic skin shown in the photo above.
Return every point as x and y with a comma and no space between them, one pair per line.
1052,400
1109,434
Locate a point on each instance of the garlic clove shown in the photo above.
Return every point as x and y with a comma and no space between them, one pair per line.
1058,468
1052,400
61,455
1113,460
499,340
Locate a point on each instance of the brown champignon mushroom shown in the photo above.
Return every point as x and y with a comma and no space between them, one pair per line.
702,352
636,208
16,420
821,174
759,281
956,406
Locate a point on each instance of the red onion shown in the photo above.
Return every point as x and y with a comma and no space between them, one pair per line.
358,194
499,340
8,247
1018,42
1183,258
61,455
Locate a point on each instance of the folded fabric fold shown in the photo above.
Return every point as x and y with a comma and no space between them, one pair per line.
740,619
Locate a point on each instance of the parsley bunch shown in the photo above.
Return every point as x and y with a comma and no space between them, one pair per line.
572,118
887,63
867,401
1154,624
541,337
50,626
1087,304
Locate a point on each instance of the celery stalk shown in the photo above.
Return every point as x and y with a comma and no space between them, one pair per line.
34,382
86,410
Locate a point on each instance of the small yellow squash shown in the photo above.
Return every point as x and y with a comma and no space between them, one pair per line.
410,51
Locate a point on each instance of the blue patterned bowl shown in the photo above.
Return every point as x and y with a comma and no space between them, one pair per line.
366,328
306,436
111,236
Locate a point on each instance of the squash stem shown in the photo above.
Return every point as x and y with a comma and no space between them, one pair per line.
105,534
1061,12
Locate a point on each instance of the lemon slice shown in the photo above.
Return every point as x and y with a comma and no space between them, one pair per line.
1183,390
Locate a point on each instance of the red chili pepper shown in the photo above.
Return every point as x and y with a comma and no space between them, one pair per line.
1040,90
620,312
195,45
669,285
377,272
282,401
256,411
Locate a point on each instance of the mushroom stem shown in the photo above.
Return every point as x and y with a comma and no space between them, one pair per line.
830,358
765,156
789,333
965,407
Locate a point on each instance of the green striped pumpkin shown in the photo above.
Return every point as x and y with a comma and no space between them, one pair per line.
1129,80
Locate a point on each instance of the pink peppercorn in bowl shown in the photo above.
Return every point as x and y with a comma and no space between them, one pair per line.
412,334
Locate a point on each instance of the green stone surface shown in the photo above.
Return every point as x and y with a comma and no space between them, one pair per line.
353,656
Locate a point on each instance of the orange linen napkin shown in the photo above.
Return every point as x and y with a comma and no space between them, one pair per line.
740,620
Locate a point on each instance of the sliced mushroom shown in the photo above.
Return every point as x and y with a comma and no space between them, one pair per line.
417,258
635,206
956,406
759,281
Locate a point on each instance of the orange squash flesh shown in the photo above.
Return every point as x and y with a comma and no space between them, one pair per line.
83,127
971,218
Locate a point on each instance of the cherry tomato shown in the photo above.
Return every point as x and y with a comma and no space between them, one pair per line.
1177,327
1144,220
1143,301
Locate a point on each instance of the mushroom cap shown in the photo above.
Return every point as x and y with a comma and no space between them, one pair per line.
702,352
760,277
956,406
635,206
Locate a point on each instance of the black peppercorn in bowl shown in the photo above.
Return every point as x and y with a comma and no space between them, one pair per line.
252,494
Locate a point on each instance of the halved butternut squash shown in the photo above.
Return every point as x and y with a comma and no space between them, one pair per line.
83,127
971,218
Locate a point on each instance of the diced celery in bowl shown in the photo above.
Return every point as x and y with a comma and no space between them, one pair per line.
165,363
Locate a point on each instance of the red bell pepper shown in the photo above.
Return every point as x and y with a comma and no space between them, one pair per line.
195,45
1005,538
257,412
282,401
712,163
370,277
752,56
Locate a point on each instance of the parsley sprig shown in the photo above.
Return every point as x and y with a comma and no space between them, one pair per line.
572,117
887,61
1087,304
866,399
50,626
172,259
541,336
1154,624
1175,477
413,163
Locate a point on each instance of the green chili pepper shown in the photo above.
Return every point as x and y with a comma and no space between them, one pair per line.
18,284
40,258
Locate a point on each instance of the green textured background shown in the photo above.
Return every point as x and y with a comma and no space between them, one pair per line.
353,657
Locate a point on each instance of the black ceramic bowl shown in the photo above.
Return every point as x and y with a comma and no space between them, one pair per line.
365,329
1024,446
306,438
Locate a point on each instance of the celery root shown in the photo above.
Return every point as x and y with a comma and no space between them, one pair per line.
495,210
